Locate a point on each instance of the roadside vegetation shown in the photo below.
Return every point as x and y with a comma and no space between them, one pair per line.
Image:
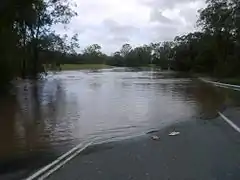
83,66
28,44
26,35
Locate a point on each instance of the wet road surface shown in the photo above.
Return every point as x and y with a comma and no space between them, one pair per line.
202,150
47,118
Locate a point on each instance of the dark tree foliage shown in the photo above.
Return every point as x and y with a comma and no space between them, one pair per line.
25,31
27,42
214,50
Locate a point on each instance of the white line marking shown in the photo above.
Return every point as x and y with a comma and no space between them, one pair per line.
44,176
236,89
223,85
46,171
234,126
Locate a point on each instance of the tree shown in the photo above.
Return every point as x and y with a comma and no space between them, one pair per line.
93,49
93,54
25,32
219,20
74,44
46,13
139,56
126,49
116,60
155,52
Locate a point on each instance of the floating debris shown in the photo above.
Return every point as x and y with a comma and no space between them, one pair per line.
155,138
174,133
151,132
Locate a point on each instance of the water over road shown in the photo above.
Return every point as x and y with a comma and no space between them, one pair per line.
47,118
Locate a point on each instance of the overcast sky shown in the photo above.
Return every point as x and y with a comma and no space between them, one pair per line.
111,23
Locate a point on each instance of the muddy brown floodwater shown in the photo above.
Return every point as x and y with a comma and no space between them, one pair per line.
44,119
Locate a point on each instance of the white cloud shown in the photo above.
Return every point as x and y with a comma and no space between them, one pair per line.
112,23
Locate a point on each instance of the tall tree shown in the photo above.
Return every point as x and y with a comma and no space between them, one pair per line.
126,48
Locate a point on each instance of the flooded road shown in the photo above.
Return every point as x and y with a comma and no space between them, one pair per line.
47,118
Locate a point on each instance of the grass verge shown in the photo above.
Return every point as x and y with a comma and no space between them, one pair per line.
83,66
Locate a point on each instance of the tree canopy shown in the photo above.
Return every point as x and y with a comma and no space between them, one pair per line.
25,31
27,42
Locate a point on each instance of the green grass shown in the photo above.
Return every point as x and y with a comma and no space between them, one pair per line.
83,66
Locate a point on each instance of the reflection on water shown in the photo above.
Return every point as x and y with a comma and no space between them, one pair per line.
48,117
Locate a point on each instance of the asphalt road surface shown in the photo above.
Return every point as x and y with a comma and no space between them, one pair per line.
204,150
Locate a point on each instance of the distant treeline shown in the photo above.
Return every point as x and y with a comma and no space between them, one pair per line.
214,50
27,42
